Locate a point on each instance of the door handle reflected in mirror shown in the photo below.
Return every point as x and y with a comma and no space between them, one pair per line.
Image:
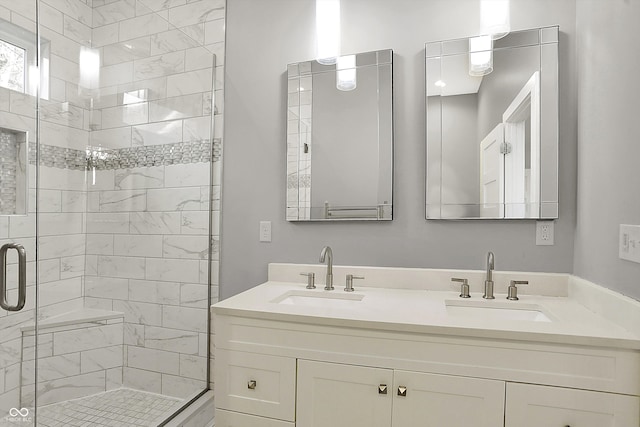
402,391
22,277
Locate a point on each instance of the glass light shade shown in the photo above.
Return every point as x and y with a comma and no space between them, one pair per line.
327,31
495,18
346,74
480,55
43,79
34,80
89,61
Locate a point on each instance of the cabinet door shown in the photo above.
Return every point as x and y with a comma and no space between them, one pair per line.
534,406
443,400
256,384
334,395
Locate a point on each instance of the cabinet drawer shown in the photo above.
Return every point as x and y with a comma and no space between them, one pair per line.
534,405
234,419
256,384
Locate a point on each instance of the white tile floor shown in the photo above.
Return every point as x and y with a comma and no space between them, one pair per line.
117,408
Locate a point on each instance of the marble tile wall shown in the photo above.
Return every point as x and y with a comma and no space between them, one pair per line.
148,222
147,256
74,361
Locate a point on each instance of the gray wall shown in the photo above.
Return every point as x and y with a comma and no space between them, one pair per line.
609,150
264,36
344,145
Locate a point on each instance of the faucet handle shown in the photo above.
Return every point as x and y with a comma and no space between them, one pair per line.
349,285
512,293
464,287
311,280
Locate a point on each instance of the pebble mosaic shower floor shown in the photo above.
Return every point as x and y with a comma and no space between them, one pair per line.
117,408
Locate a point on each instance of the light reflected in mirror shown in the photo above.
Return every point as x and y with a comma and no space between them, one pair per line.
492,127
340,139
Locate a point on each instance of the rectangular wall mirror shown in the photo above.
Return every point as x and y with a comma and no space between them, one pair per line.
492,127
340,139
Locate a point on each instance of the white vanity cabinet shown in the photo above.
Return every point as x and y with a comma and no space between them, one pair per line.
289,372
534,406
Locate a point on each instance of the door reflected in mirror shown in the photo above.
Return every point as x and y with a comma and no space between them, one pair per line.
492,137
340,139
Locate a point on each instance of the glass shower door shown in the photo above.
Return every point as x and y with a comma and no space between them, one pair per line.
19,75
124,236
107,203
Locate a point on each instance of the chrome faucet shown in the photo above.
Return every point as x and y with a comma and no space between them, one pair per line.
328,255
488,283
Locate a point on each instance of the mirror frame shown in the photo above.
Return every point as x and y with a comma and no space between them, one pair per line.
298,202
546,179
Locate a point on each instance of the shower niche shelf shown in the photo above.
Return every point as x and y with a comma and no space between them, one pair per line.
14,161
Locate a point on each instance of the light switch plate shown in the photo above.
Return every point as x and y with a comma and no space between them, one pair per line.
629,243
265,231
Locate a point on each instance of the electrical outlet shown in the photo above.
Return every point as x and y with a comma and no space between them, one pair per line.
544,233
629,243
265,231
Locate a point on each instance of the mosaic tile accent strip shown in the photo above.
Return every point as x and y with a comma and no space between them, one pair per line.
8,170
59,157
126,158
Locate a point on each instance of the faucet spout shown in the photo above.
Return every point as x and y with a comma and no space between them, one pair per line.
490,265
327,254
488,283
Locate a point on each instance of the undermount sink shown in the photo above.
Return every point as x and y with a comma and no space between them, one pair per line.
319,298
496,310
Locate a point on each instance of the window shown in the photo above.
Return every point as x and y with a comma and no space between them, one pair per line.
18,65
12,66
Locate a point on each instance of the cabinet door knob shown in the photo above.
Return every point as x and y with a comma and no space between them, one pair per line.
402,391
252,384
382,389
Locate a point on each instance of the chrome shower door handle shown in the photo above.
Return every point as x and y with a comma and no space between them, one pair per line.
22,277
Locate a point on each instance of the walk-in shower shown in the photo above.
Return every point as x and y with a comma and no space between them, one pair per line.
110,132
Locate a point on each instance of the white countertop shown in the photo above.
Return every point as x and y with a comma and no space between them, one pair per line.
425,312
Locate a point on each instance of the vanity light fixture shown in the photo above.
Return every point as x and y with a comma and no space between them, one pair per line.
480,55
34,78
327,31
495,18
346,74
89,61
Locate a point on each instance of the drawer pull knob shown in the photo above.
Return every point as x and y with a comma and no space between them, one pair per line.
251,385
402,391
382,389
